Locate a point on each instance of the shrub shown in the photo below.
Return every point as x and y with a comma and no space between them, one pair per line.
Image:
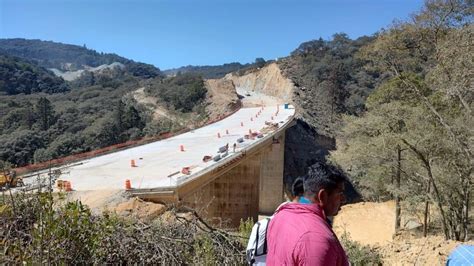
39,229
359,254
183,92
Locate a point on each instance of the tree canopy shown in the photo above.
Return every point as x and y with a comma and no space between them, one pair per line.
418,124
22,76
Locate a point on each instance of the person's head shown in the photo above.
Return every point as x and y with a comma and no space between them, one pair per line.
324,185
297,189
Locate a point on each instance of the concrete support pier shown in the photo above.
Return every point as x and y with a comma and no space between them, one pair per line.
253,186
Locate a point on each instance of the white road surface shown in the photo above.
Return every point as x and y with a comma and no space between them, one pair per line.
156,161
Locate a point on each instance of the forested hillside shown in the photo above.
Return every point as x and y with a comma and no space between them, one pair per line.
22,76
39,127
67,57
414,142
44,117
331,80
184,92
214,72
398,108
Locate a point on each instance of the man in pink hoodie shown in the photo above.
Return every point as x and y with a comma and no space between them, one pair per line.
301,234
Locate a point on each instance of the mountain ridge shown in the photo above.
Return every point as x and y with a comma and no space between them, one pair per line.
69,57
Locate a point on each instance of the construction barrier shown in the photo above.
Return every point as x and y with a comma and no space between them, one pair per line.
186,170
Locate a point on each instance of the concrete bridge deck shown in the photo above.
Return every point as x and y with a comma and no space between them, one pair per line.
158,165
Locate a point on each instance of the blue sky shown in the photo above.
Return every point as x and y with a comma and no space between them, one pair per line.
173,33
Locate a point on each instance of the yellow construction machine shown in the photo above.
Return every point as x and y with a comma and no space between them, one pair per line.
8,179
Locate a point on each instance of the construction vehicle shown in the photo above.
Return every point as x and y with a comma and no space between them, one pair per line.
8,179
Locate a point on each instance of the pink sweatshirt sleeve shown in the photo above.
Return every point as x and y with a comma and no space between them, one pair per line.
314,249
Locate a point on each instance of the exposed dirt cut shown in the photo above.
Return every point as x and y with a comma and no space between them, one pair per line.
367,222
410,250
221,97
150,103
373,224
267,80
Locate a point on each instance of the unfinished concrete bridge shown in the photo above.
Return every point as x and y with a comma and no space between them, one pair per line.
201,168
228,170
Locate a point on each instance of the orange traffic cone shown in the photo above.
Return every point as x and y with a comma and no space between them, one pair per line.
128,185
132,163
181,147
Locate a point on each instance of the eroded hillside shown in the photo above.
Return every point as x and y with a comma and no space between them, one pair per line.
267,80
221,98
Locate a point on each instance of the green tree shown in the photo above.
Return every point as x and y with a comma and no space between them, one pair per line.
259,62
20,147
133,119
428,92
183,92
45,112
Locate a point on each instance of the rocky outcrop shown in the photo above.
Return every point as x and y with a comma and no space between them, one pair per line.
75,74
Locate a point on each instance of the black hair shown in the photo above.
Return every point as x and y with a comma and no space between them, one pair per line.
297,188
322,176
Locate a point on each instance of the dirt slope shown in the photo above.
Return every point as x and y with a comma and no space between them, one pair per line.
119,202
221,97
150,103
432,250
367,222
267,80
373,224
266,84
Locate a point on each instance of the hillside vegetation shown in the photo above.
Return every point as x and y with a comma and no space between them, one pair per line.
414,141
396,105
215,72
44,117
395,111
67,57
183,92
21,76
34,232
331,80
